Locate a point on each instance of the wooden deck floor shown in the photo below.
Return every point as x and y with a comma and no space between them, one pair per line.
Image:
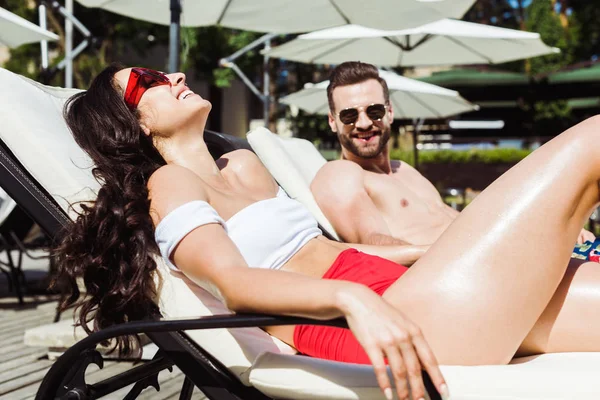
22,368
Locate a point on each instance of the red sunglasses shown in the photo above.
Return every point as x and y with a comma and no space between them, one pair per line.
140,80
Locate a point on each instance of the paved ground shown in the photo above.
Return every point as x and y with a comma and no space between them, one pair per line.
22,368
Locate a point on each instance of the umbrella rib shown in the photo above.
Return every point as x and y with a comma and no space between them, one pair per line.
424,39
334,5
223,12
461,44
395,43
407,47
400,46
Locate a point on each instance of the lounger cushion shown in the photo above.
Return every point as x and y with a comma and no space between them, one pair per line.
548,377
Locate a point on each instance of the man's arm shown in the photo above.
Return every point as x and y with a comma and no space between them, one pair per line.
381,239
406,255
340,192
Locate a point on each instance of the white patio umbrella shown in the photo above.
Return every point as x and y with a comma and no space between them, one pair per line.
282,16
15,31
444,42
290,16
410,98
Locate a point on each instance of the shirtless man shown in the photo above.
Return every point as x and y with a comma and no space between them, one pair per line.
367,197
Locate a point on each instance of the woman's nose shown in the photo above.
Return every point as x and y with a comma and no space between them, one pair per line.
177,78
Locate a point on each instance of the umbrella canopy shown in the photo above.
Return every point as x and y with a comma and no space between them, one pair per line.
410,98
444,42
15,31
290,16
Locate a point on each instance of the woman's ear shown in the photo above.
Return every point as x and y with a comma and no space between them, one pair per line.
145,129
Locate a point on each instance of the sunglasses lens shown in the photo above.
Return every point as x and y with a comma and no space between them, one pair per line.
152,78
376,111
348,116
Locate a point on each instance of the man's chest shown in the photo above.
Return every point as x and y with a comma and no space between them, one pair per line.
400,191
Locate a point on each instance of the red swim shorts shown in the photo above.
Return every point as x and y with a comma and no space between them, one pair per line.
339,344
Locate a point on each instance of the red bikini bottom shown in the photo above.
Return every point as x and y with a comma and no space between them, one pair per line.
339,344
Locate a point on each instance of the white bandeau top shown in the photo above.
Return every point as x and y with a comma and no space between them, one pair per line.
267,233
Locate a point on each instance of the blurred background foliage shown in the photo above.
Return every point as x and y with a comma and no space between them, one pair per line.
484,156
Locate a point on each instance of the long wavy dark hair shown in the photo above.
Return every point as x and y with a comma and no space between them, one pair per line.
111,243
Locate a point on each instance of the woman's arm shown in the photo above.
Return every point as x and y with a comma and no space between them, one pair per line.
382,330
401,254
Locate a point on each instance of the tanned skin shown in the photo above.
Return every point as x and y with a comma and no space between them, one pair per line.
369,198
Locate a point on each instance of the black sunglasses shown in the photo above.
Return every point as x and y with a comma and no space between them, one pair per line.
375,112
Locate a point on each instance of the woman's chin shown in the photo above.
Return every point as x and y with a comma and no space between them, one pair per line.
199,101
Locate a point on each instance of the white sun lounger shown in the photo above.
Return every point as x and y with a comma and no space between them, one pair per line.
34,130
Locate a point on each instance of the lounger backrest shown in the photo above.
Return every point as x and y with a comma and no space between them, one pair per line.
35,131
293,162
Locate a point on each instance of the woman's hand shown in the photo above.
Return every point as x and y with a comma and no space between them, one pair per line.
385,333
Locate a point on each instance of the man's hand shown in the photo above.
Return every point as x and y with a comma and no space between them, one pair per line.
405,255
380,239
584,236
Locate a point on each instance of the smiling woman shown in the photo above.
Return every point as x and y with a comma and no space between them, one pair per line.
226,223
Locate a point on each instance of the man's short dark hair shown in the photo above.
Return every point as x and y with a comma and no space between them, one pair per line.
351,73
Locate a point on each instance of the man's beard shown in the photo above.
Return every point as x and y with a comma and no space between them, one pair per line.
366,152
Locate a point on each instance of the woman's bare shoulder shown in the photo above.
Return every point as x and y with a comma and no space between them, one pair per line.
247,168
171,186
239,160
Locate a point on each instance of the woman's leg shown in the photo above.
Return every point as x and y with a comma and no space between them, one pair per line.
478,292
571,321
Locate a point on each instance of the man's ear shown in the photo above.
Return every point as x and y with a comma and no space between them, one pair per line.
391,112
331,120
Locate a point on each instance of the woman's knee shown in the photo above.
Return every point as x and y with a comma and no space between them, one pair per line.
584,136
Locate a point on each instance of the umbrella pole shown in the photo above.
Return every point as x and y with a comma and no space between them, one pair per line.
174,36
69,46
43,43
417,124
266,83
71,54
229,62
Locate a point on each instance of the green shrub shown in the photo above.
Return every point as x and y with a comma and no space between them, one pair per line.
487,156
